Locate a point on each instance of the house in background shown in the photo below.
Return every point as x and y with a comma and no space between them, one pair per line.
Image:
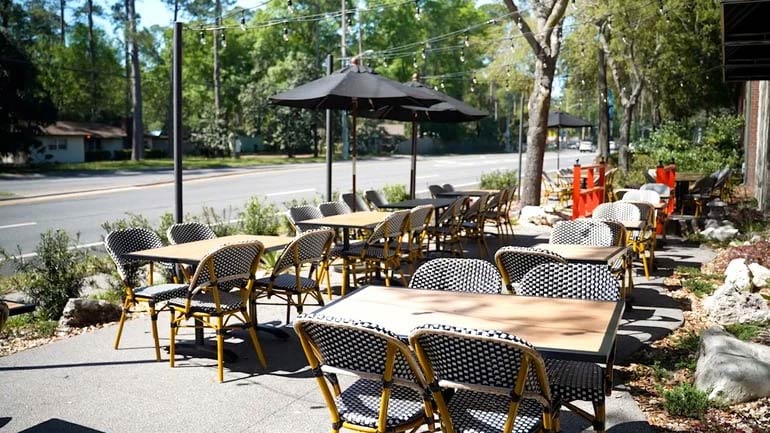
66,141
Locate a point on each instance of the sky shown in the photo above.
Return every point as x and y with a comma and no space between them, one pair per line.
154,12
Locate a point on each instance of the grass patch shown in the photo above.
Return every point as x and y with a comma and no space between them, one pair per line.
113,296
189,162
6,194
747,331
34,325
685,400
698,287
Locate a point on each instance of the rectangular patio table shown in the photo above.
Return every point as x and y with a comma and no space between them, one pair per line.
191,253
569,329
468,192
437,203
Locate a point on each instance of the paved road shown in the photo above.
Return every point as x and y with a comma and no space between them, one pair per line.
151,194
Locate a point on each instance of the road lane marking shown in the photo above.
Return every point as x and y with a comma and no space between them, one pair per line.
426,177
76,247
10,226
296,191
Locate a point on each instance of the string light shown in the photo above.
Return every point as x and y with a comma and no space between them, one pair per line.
290,6
414,62
350,19
466,41
475,81
417,10
625,41
202,37
462,55
243,21
513,46
285,34
473,89
518,22
443,86
223,38
508,72
424,55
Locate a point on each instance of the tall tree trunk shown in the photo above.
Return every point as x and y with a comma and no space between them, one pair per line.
604,114
545,43
137,148
217,73
62,23
92,59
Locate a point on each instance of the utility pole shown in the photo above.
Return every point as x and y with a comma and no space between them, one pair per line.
343,51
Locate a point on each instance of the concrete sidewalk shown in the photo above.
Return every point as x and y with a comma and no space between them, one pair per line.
80,384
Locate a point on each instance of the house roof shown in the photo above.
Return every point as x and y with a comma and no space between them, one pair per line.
745,40
68,128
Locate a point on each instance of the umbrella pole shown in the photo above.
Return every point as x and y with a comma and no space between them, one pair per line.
353,154
413,171
558,132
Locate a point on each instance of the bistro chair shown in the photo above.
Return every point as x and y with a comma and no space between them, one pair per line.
220,291
389,394
473,222
436,190
575,380
297,214
182,233
355,202
458,275
660,188
556,189
646,195
446,230
588,231
513,262
641,241
381,248
144,297
499,381
376,199
331,208
699,194
415,244
721,189
448,187
286,282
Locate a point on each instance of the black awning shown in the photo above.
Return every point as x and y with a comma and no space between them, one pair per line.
746,40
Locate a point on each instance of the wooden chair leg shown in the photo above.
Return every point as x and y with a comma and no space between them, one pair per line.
220,349
599,421
126,306
154,322
172,339
255,341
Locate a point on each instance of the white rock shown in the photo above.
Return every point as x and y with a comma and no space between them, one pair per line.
737,274
711,224
707,231
729,305
553,219
759,275
724,233
756,238
731,370
529,212
726,223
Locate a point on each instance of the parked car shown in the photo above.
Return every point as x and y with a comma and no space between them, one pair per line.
586,146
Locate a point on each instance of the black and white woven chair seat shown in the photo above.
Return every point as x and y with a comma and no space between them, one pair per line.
161,292
288,282
204,302
359,404
183,233
476,412
572,380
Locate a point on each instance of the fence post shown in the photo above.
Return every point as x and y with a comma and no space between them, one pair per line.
576,199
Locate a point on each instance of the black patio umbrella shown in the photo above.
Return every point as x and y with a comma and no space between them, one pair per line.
560,119
450,110
355,88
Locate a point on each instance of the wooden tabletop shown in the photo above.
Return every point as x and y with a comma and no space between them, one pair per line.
437,203
689,176
570,329
357,220
585,253
192,252
18,307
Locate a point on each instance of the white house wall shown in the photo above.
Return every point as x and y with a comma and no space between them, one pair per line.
75,151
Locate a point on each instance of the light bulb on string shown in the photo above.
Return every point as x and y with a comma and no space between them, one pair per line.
519,23
473,89
350,19
625,41
574,5
513,46
508,72
243,21
507,85
443,86
202,37
466,41
285,34
462,55
417,10
424,54
582,82
414,63
290,6
474,80
223,38
435,87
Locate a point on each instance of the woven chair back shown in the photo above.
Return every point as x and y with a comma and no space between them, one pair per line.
227,267
309,247
297,214
646,210
721,177
332,208
570,280
121,242
390,228
359,347
419,217
355,202
375,198
617,211
648,196
183,233
661,188
448,187
514,262
588,231
458,275
435,190
480,360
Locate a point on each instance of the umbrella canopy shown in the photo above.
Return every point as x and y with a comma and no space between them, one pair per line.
353,88
450,110
559,119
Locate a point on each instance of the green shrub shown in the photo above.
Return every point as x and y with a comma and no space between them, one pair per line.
685,400
221,224
97,155
499,179
698,287
259,218
746,331
395,193
54,276
30,326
